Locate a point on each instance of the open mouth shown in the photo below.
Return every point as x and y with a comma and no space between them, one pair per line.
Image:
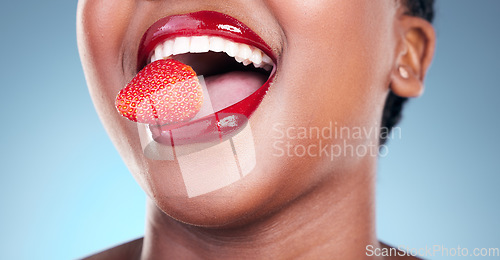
232,71
236,64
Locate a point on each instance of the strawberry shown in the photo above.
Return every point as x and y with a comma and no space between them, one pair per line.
164,92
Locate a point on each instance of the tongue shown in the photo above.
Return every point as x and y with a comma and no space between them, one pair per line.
230,88
168,92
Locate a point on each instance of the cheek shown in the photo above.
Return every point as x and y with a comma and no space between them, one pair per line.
104,22
101,30
102,25
338,53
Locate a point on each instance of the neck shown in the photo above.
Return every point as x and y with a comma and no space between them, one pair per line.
336,219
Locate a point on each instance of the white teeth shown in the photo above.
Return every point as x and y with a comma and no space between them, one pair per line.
168,48
231,48
238,59
217,44
153,57
266,59
158,50
256,57
181,45
242,53
200,44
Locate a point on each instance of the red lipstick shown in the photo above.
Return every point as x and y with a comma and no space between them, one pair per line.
196,24
228,121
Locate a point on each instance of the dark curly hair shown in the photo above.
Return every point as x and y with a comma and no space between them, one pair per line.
394,104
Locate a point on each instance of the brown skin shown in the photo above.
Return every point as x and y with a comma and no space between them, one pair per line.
337,61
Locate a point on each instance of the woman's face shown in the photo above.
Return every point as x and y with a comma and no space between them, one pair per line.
334,60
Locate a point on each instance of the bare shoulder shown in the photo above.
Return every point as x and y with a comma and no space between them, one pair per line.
127,251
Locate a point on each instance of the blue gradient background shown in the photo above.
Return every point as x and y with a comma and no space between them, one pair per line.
62,199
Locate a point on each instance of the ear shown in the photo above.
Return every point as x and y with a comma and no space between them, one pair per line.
416,43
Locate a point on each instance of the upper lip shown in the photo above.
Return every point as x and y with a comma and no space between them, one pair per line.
202,23
214,25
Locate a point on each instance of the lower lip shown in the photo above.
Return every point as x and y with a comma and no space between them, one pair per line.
216,127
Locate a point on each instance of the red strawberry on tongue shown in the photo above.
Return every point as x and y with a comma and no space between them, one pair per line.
164,92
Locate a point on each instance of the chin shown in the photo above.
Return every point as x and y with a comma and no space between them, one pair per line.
234,205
